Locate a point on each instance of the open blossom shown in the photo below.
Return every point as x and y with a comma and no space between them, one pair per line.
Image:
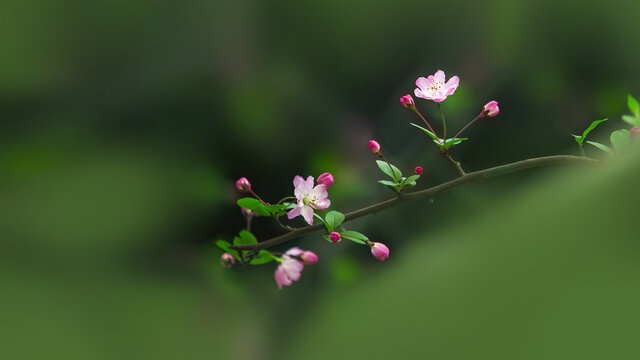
435,88
309,198
325,179
380,251
407,101
490,109
291,265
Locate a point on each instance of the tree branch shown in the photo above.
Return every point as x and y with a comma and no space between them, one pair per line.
405,197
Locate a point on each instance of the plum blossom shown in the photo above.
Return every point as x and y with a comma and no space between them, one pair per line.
291,265
374,146
309,198
380,251
435,88
490,109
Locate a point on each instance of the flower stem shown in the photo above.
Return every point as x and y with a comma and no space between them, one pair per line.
430,192
466,126
423,119
444,125
390,168
455,164
258,197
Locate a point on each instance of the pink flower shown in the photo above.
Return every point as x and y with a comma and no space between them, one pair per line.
334,236
380,251
227,260
434,87
374,147
418,170
309,198
325,179
490,109
243,185
290,267
309,257
407,101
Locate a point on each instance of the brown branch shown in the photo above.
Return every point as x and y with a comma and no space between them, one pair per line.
405,197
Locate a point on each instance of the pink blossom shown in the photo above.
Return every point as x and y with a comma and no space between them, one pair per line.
334,236
374,147
325,179
243,185
407,101
227,260
290,267
309,257
380,251
418,170
309,198
435,88
490,109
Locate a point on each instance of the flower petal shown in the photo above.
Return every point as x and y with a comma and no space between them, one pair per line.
452,85
294,212
294,251
319,191
439,76
297,180
322,204
307,214
422,83
419,93
281,277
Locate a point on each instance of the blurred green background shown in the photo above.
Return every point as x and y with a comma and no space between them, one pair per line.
125,123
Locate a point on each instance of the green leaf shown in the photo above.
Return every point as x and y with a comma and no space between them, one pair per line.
276,209
328,238
387,182
620,140
390,171
246,238
579,139
354,236
432,135
410,179
333,219
633,106
410,184
263,257
255,205
602,147
225,246
591,127
633,121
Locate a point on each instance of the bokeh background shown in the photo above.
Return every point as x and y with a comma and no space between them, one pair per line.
125,123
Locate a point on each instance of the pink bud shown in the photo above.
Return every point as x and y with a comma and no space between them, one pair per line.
490,109
243,185
418,170
249,213
325,179
335,237
634,133
374,147
227,260
380,251
407,101
309,257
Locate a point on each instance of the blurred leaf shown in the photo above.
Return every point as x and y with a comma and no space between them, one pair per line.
246,238
387,182
225,246
389,169
633,106
263,257
602,147
631,120
620,140
451,142
432,135
354,236
588,130
333,219
411,178
578,138
328,238
254,205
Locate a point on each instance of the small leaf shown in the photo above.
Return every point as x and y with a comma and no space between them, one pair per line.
276,209
387,182
225,246
602,147
254,205
333,219
390,171
246,238
620,140
631,120
633,106
432,135
410,184
263,257
354,236
591,127
411,179
579,139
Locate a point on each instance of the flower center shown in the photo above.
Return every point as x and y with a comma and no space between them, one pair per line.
310,200
437,85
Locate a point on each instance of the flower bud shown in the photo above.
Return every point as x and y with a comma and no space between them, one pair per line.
634,133
227,260
380,251
407,101
325,179
490,109
309,257
243,185
418,170
249,213
335,237
374,147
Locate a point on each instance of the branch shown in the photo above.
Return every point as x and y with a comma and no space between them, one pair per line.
405,197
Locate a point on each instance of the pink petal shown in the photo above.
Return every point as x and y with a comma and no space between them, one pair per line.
439,76
281,277
419,93
320,191
323,204
297,181
294,251
294,212
422,83
292,268
307,214
452,85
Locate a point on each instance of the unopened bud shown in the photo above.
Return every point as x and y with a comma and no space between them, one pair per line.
243,185
490,109
227,260
309,257
418,170
374,147
325,179
334,236
380,251
407,101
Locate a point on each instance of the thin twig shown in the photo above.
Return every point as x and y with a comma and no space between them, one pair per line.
456,164
555,160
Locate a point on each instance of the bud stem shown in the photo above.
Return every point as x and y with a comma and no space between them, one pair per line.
423,119
466,126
